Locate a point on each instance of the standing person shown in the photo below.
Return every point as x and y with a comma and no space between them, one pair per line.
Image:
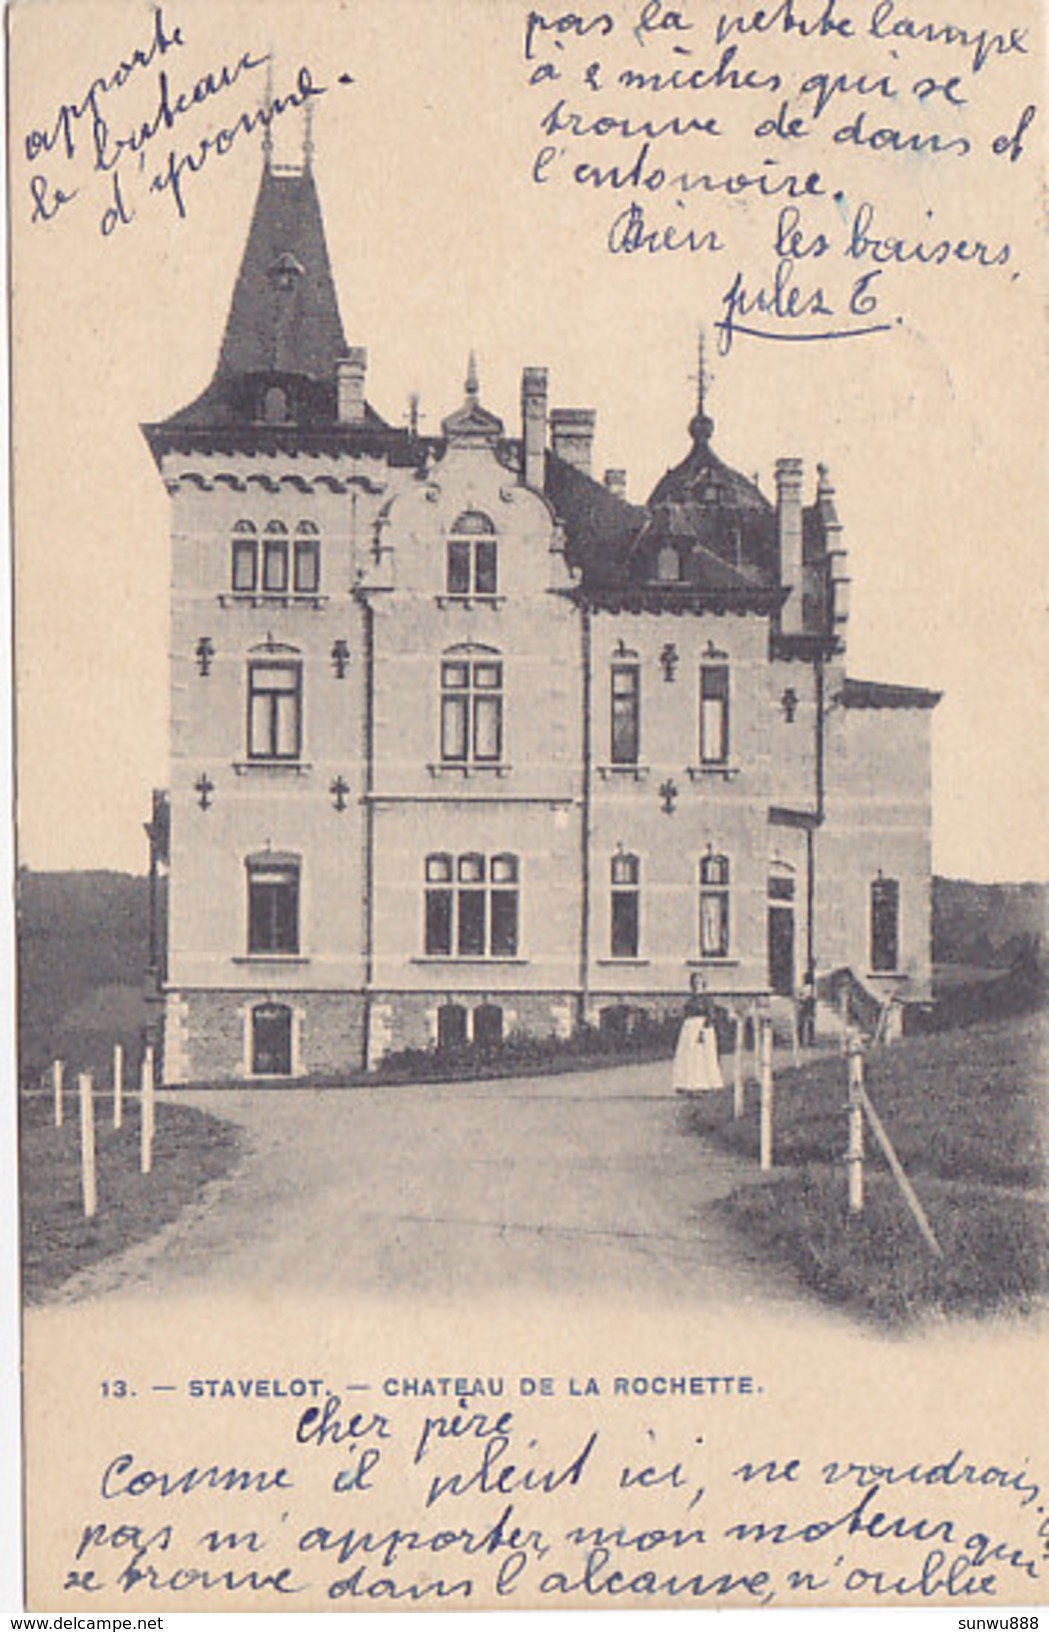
696,1065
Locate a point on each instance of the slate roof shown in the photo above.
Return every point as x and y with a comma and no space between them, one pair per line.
875,694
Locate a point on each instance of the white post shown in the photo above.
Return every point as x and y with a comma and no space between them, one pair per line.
843,1010
148,1110
738,1096
56,1077
87,1146
766,1094
118,1086
854,1153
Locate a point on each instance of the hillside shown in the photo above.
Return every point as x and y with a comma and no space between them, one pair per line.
83,949
987,925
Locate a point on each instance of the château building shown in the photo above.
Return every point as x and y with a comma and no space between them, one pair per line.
464,744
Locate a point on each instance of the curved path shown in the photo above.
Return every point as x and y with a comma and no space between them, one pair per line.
574,1184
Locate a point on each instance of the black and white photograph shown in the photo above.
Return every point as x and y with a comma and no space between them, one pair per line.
528,535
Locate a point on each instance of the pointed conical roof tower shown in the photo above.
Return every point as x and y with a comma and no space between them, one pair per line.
285,375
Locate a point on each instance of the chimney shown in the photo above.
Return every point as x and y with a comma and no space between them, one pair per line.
788,507
350,371
615,481
533,426
572,435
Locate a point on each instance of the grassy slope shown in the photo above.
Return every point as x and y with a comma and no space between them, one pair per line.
965,1111
190,1150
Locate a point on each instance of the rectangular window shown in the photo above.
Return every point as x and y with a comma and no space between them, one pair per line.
274,710
485,566
273,908
245,565
504,907
471,906
626,916
439,906
472,713
307,566
885,924
460,551
713,714
275,566
714,907
626,713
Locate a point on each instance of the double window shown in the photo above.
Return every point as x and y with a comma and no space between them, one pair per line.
626,713
713,714
714,907
885,925
473,557
273,904
626,903
472,905
471,710
275,709
275,563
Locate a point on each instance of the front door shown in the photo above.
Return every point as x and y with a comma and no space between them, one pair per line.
781,950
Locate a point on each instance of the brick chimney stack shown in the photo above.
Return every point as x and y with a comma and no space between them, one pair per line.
789,474
572,435
350,372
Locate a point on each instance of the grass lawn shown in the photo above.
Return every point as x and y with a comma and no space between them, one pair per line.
965,1111
190,1149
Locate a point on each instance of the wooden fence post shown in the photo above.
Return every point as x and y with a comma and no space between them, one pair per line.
907,1189
765,1050
56,1078
854,1153
88,1182
148,1110
118,1086
738,1096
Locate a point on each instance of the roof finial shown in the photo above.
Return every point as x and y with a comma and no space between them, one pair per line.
702,426
267,118
472,386
307,137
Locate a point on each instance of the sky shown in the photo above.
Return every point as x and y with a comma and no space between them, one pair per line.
441,243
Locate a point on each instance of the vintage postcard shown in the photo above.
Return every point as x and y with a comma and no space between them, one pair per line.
529,539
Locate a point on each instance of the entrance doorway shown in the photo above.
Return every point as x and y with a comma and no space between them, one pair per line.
781,931
271,1040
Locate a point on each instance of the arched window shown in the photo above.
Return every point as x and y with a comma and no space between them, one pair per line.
273,903
244,566
885,924
473,557
626,916
471,707
275,558
714,906
307,559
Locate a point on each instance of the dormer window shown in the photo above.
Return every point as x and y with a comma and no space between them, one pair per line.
285,272
473,559
275,406
668,565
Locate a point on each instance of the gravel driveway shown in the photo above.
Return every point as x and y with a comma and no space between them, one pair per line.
572,1185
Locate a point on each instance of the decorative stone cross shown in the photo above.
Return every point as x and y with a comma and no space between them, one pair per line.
205,788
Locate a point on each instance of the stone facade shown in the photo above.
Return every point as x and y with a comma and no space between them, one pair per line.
463,744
